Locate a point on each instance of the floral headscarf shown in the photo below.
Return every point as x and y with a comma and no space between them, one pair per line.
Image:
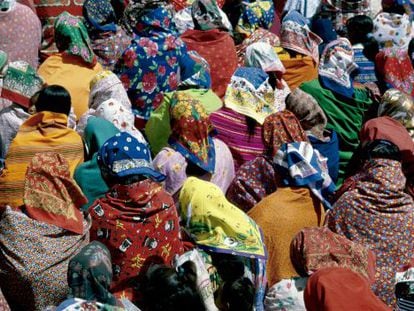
262,55
392,30
51,195
250,93
335,67
190,131
258,14
70,26
206,15
99,16
296,36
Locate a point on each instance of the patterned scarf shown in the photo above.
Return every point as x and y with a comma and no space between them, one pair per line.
258,14
206,15
99,16
392,30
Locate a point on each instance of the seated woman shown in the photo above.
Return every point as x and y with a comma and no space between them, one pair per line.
137,219
392,30
75,64
374,211
344,105
44,131
38,241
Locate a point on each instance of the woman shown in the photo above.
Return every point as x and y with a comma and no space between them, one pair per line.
108,40
135,203
374,211
344,105
38,241
392,30
75,65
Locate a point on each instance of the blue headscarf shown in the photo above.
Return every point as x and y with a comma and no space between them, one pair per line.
99,16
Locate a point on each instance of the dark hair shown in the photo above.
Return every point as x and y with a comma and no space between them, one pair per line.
62,41
411,51
251,126
167,289
54,98
194,170
358,28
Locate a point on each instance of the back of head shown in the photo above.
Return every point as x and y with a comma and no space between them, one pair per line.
54,98
359,27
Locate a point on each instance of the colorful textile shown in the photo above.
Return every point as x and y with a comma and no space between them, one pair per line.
99,16
215,224
404,289
280,128
262,55
301,165
336,66
190,128
206,15
316,248
182,4
20,43
286,295
377,213
306,8
296,36
250,94
199,72
254,15
392,30
292,209
76,304
51,195
340,289
42,132
123,155
125,210
366,68
323,27
34,253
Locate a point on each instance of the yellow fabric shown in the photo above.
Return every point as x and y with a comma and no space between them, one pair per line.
71,73
281,216
299,69
216,224
42,132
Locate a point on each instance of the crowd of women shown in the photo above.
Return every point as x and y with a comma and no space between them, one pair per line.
202,155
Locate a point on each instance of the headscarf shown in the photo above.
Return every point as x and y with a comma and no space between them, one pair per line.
404,289
282,127
6,6
123,155
199,72
20,83
392,30
262,55
99,16
307,110
71,27
254,15
324,28
296,36
190,127
340,289
206,15
249,93
215,224
51,195
90,274
316,248
106,85
398,106
301,165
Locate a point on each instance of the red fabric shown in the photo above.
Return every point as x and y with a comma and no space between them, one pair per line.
218,48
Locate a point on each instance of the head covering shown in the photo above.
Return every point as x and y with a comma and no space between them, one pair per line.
106,85
257,14
282,127
51,195
99,16
324,28
190,127
123,155
250,94
307,110
6,6
206,15
336,66
340,289
392,30
215,224
301,165
404,288
262,55
3,63
198,72
20,83
90,274
72,27
296,36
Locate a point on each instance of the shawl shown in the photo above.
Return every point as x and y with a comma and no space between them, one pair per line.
142,207
198,71
88,174
366,68
317,248
296,36
280,128
392,30
377,213
99,16
51,195
215,224
34,253
306,8
262,55
206,15
90,274
254,15
336,66
42,132
340,289
281,215
191,129
286,295
301,165
250,93
214,46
